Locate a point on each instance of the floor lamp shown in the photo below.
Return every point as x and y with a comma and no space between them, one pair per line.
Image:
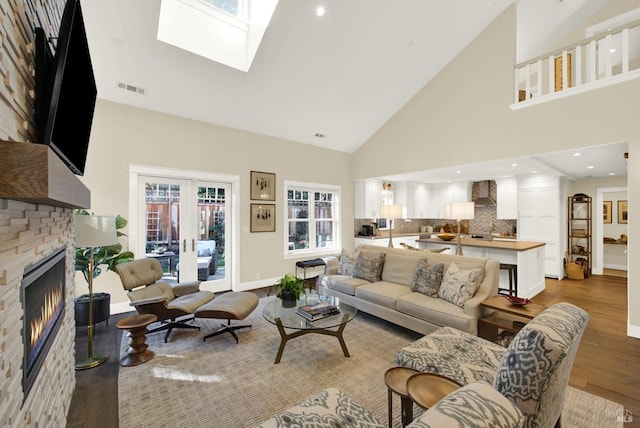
91,232
461,211
391,212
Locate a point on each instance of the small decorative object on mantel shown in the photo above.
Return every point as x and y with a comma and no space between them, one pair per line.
263,186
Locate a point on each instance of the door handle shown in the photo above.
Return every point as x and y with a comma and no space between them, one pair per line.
193,244
184,245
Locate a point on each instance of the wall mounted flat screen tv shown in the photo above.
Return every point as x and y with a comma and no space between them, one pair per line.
65,90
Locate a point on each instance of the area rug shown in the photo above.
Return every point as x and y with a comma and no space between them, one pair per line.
221,384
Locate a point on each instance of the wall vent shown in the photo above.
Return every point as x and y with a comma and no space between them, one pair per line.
131,88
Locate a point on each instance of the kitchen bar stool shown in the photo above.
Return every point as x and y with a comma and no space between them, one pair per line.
513,279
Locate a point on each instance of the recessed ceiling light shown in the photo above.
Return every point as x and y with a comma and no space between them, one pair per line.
320,11
458,172
576,154
534,172
514,164
612,50
590,167
612,173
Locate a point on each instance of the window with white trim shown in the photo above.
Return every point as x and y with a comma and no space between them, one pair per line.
312,217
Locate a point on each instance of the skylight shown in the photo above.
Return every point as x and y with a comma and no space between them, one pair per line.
229,6
225,31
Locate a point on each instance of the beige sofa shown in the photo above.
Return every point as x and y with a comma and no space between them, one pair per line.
392,298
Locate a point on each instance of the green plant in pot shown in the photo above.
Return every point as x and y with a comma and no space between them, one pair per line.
110,256
289,289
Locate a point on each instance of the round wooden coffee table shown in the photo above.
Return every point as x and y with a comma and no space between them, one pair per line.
426,389
396,380
137,353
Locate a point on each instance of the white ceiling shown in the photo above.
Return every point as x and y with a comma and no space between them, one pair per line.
343,75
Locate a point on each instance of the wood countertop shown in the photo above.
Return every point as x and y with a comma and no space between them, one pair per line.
511,244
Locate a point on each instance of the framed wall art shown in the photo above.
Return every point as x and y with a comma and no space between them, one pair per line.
263,186
606,211
263,218
622,212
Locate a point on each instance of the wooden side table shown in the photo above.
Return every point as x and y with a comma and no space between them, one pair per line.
505,317
426,389
137,353
396,379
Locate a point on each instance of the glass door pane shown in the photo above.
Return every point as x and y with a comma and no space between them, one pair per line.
162,225
212,231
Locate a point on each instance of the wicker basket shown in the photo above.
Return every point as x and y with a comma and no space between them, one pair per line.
574,271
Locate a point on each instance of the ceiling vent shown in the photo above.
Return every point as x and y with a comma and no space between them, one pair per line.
483,198
131,88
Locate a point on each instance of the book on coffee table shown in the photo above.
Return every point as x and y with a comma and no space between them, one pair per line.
317,311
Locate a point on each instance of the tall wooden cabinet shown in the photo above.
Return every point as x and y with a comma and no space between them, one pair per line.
579,231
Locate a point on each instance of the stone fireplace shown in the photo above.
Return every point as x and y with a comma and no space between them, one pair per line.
37,197
42,294
30,233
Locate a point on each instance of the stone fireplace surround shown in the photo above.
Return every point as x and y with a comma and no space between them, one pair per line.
28,233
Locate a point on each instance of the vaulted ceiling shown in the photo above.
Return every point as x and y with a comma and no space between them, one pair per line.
330,81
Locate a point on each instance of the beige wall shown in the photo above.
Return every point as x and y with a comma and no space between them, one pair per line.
463,116
123,135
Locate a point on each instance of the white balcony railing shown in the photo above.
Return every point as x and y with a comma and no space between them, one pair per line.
601,60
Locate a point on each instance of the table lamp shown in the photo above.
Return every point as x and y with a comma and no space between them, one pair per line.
460,211
391,212
92,232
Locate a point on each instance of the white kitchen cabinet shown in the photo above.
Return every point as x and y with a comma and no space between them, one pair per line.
368,199
413,197
441,195
541,207
408,240
507,199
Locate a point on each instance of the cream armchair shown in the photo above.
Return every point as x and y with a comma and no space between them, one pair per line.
171,304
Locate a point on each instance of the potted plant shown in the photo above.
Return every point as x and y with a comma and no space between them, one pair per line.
289,288
110,256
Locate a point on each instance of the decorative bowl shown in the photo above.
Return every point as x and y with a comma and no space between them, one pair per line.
517,301
446,236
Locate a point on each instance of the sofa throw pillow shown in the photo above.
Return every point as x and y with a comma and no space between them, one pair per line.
369,265
347,263
458,286
427,279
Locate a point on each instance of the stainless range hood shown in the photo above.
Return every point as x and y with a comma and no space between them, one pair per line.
483,198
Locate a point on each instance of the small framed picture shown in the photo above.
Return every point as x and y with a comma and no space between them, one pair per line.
606,211
622,212
263,186
263,218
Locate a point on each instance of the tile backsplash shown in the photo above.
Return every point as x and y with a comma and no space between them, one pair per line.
483,217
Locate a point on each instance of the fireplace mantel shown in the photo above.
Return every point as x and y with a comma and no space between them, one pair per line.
33,173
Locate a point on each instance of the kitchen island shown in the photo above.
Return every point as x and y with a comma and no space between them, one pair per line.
527,256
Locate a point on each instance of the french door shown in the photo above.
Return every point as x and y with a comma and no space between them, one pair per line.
184,224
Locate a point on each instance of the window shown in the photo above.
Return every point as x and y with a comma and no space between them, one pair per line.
312,217
232,7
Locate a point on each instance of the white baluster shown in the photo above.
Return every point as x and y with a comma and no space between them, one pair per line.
552,74
625,50
578,65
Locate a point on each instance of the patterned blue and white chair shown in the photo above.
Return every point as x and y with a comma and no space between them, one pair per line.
532,372
477,405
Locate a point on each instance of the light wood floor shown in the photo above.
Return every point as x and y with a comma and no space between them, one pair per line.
607,363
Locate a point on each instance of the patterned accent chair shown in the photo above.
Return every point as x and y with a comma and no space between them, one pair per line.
477,405
532,373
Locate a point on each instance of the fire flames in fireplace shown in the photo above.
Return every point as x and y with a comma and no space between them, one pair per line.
42,293
40,325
